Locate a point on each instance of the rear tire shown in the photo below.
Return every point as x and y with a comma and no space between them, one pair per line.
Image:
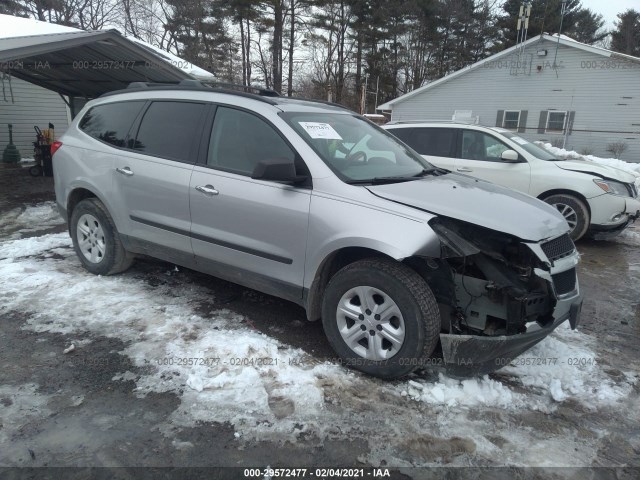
380,317
96,239
574,211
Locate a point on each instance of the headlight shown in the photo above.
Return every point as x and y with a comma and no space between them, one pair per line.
614,188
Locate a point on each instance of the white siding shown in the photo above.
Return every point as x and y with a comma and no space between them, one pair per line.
605,98
31,105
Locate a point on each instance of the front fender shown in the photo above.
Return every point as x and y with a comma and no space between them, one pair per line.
336,224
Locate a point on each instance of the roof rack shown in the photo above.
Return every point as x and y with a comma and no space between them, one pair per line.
409,122
263,95
264,92
257,93
324,102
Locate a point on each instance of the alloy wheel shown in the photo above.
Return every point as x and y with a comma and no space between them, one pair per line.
370,323
568,213
91,239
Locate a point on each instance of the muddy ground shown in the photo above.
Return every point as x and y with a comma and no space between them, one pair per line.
85,409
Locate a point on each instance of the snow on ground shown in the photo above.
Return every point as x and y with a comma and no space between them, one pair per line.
633,168
20,221
20,404
224,371
164,331
561,367
630,236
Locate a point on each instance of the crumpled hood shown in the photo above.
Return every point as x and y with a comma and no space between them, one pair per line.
596,169
478,202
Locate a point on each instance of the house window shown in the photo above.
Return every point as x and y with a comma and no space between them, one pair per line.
511,119
556,122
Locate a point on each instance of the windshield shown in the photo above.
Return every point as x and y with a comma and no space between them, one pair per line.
532,148
355,149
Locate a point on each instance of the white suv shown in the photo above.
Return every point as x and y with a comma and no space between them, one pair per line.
592,198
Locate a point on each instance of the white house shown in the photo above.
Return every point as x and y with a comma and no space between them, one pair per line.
550,88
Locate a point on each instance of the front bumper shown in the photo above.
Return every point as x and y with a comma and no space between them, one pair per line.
611,214
633,207
469,355
606,233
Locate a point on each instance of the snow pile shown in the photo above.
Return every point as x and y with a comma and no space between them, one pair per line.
633,168
450,392
565,368
32,246
561,367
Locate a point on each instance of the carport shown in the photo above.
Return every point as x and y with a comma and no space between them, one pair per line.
84,65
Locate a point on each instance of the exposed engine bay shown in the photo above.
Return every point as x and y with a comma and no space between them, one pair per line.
495,287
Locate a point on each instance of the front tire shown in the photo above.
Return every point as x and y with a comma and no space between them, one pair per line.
96,239
574,211
380,317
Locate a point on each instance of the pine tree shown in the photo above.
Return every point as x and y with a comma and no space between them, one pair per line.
545,18
198,27
626,37
13,7
589,27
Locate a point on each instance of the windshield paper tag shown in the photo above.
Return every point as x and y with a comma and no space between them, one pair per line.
320,130
519,140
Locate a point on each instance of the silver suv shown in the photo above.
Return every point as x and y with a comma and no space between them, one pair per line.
315,204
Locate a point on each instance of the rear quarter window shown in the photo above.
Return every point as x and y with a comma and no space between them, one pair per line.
111,122
171,130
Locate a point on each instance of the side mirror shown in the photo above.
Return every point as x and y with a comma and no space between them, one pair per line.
277,170
510,156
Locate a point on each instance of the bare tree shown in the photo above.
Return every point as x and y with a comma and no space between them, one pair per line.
617,148
96,14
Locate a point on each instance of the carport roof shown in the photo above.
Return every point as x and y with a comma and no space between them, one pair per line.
84,64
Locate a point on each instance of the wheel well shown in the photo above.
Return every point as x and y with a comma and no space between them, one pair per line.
76,197
560,191
330,265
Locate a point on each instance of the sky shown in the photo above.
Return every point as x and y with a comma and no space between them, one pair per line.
610,8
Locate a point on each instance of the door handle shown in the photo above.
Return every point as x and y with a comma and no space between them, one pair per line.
207,190
125,171
464,169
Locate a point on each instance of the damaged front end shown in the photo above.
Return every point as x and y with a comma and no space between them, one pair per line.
499,295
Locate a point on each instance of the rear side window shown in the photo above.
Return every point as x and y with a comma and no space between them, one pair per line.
170,130
438,142
111,122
